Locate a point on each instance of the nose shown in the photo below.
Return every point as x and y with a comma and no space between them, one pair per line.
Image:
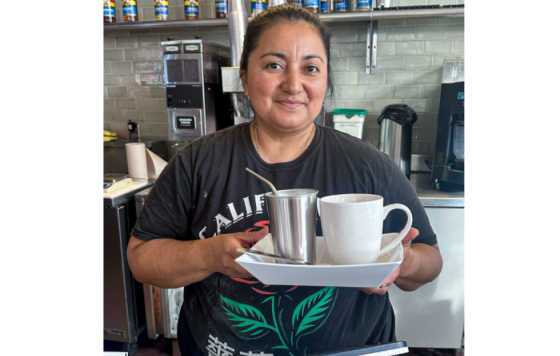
292,81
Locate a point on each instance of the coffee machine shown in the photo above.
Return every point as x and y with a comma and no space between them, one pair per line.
448,166
196,104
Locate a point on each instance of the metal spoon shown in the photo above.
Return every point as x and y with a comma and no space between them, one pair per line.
276,257
263,179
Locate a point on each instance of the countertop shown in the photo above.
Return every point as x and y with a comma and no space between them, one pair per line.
432,198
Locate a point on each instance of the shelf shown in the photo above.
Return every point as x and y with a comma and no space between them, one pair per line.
334,17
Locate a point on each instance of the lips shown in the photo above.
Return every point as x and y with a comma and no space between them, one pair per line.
292,104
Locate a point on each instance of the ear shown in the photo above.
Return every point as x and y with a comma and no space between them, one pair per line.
243,76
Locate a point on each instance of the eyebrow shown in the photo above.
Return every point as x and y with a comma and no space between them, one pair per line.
281,55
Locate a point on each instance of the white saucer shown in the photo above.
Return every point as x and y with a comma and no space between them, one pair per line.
323,273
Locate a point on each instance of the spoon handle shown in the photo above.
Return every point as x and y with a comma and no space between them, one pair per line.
276,257
263,179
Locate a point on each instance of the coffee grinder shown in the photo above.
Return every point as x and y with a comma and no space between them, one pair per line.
448,166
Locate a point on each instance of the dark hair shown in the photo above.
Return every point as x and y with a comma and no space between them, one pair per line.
285,13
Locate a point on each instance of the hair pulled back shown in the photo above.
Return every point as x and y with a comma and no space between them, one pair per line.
281,14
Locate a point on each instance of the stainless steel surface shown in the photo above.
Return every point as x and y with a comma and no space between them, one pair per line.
264,180
395,141
237,26
150,312
114,177
231,82
119,322
332,17
433,316
371,50
181,57
184,134
392,14
123,198
430,197
293,219
275,257
165,24
418,162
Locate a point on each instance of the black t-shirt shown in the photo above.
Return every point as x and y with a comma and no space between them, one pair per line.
204,191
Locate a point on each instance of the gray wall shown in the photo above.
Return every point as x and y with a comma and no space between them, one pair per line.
410,59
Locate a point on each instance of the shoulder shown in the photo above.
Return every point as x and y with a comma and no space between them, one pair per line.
353,148
215,142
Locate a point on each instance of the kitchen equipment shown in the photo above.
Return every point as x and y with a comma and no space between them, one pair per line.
196,104
123,315
162,305
395,136
269,255
448,170
353,227
293,219
321,274
263,179
350,121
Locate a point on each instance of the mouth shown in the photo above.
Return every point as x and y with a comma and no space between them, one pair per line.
292,104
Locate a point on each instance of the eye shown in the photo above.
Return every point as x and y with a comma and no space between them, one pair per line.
273,66
312,69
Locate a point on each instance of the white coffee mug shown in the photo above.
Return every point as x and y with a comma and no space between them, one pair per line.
353,226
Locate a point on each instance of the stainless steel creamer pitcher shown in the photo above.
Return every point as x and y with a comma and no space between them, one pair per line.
293,218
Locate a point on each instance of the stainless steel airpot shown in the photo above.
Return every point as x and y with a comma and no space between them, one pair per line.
395,138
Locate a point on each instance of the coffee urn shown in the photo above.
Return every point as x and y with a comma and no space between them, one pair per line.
395,138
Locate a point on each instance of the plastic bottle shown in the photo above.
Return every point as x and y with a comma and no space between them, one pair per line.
130,11
191,9
162,10
109,11
311,5
324,7
257,6
298,3
341,6
221,9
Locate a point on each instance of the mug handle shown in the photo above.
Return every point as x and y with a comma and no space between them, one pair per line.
403,233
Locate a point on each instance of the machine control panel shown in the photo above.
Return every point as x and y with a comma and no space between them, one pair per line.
186,122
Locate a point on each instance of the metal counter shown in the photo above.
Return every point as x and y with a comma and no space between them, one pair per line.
433,198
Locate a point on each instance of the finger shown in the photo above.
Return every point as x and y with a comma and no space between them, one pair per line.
381,290
411,235
253,236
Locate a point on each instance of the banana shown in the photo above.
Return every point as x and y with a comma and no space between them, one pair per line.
110,133
108,138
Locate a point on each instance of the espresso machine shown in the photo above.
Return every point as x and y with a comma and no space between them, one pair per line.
448,166
196,104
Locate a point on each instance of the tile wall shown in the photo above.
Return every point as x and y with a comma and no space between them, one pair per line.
410,60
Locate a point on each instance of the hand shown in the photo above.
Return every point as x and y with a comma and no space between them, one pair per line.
222,251
406,242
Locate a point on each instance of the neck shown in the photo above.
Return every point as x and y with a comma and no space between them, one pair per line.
273,147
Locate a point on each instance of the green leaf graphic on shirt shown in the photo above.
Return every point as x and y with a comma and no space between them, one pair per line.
311,310
248,317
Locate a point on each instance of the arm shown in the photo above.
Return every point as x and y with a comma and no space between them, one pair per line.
169,263
423,265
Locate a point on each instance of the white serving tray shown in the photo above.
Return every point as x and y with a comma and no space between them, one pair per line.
323,273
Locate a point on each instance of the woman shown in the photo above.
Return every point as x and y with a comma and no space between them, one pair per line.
205,205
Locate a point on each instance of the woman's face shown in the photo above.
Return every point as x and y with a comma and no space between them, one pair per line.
286,76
